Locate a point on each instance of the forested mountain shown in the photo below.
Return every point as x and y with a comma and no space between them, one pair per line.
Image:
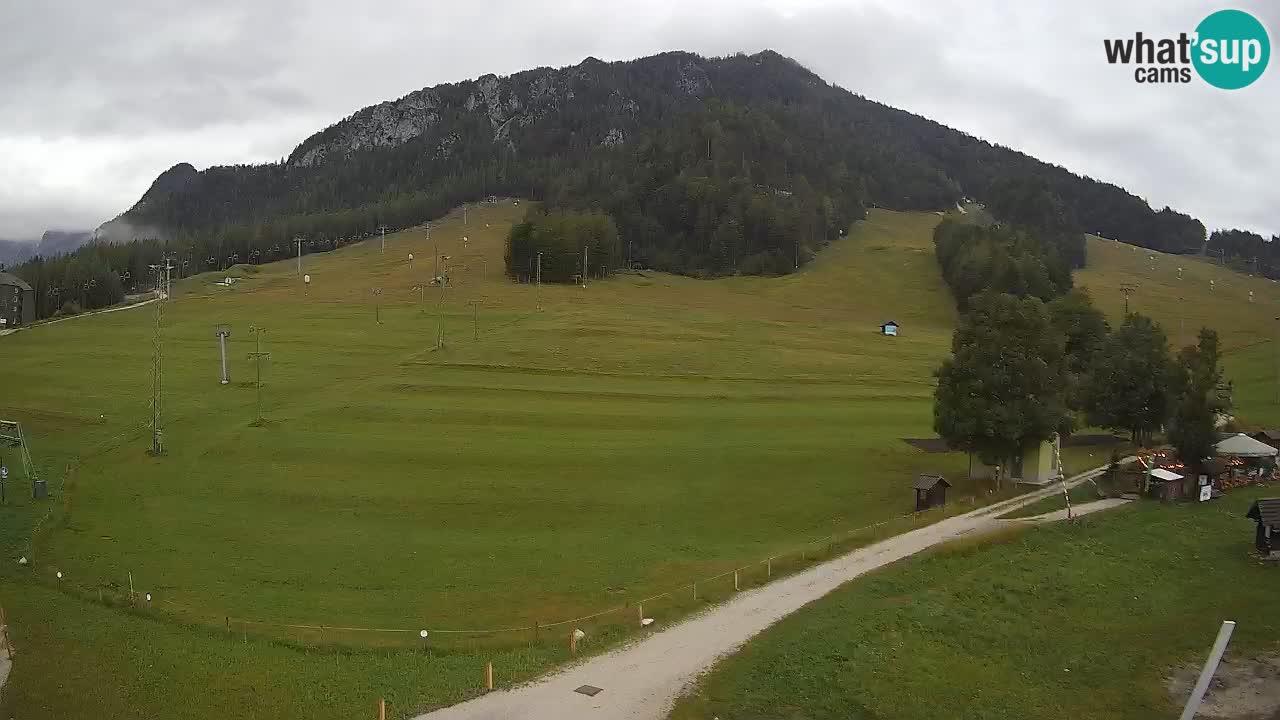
665,144
742,164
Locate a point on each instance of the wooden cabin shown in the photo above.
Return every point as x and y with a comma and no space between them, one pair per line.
1266,512
931,491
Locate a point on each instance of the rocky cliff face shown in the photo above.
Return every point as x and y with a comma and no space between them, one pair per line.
504,104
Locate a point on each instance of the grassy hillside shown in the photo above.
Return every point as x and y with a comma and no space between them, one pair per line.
1060,621
629,438
1248,329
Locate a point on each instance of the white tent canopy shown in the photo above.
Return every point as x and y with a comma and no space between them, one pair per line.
1241,445
1162,474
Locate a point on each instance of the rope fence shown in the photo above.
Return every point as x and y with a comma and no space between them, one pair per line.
599,627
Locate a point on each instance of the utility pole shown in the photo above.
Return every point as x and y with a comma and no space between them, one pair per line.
1182,321
440,320
377,304
1128,290
422,298
157,369
538,287
258,356
475,319
584,266
298,242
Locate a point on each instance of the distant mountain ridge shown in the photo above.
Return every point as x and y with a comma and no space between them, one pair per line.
50,244
745,163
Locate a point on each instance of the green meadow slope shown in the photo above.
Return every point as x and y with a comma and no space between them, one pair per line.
1055,621
630,437
1248,330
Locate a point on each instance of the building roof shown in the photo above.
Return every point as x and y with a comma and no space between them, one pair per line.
926,482
1242,445
889,323
1166,475
8,279
1266,435
1266,511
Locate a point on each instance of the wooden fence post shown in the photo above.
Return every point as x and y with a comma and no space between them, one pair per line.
488,676
640,614
735,580
695,592
573,641
768,568
382,709
535,631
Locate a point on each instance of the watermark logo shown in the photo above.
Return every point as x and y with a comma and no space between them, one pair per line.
1229,49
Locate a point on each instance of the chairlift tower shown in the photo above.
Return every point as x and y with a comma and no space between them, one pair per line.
157,365
1128,290
11,436
257,356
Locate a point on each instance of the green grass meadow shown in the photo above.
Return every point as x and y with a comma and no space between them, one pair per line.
627,439
1051,621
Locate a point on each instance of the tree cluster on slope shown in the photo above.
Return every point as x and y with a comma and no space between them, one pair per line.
555,242
1246,251
998,258
1022,370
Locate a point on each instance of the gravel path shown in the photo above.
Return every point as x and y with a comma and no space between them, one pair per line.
5,662
641,680
91,313
1076,511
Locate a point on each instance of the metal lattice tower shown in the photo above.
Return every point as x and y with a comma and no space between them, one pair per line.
258,356
11,435
157,365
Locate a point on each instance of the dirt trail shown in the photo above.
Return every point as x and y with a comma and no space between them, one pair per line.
641,680
91,313
1076,511
5,662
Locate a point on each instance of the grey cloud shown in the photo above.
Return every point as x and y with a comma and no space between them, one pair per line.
84,69
143,84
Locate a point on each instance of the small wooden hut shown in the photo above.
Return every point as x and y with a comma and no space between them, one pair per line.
1266,512
931,491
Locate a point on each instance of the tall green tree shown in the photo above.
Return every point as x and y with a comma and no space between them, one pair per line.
1004,386
1129,383
1199,385
1086,331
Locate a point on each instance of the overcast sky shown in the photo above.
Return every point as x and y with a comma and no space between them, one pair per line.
97,98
